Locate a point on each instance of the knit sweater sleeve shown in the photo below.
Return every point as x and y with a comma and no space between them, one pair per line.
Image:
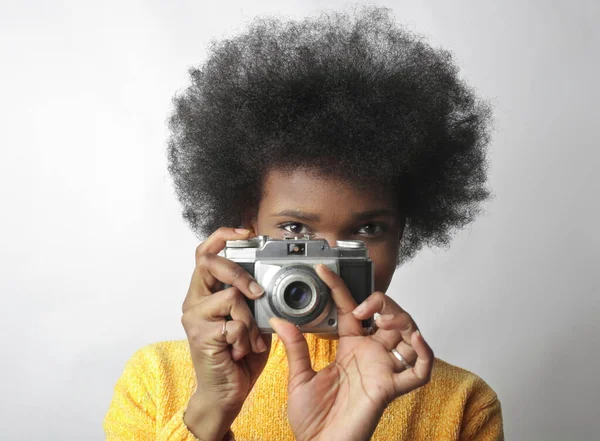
132,414
482,420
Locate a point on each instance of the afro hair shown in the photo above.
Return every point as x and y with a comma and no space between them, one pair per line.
352,95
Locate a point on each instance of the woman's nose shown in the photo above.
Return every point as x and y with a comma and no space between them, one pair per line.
331,239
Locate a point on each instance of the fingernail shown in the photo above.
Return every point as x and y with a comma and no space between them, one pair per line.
325,268
256,288
419,335
386,317
260,344
360,308
241,231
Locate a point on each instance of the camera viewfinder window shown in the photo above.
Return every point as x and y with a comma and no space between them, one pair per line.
296,249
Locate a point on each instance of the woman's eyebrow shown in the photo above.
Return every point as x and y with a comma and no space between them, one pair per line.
299,215
355,216
373,213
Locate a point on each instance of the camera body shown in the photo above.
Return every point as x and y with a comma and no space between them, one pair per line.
285,268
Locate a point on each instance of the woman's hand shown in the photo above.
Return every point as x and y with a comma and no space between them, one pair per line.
346,399
228,356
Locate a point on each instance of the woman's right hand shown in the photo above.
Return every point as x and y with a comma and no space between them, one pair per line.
227,364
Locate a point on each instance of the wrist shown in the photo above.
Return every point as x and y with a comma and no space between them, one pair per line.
206,422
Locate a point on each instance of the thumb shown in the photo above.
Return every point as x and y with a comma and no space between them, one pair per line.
296,349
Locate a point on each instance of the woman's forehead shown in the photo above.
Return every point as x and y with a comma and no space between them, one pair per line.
312,192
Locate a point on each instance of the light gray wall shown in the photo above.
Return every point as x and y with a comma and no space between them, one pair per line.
96,260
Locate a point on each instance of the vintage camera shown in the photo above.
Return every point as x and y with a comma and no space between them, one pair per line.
285,268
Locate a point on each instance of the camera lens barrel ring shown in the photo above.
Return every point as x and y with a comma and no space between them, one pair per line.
289,290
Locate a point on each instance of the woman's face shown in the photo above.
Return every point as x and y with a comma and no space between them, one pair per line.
300,202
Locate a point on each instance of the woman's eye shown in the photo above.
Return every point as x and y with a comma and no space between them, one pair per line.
371,229
295,228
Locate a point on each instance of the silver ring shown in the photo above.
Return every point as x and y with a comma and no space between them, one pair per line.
224,330
399,356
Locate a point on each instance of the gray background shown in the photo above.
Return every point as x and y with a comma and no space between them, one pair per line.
95,259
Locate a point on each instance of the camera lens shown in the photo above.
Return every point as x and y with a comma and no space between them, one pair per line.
297,295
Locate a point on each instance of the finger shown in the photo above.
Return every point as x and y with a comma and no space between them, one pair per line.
297,352
230,302
348,325
420,374
215,243
236,334
402,325
257,363
213,268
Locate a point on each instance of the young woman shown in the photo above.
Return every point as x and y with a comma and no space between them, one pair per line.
340,128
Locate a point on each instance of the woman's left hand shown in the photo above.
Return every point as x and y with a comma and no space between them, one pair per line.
346,399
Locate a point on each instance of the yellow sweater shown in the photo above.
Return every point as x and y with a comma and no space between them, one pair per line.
151,396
